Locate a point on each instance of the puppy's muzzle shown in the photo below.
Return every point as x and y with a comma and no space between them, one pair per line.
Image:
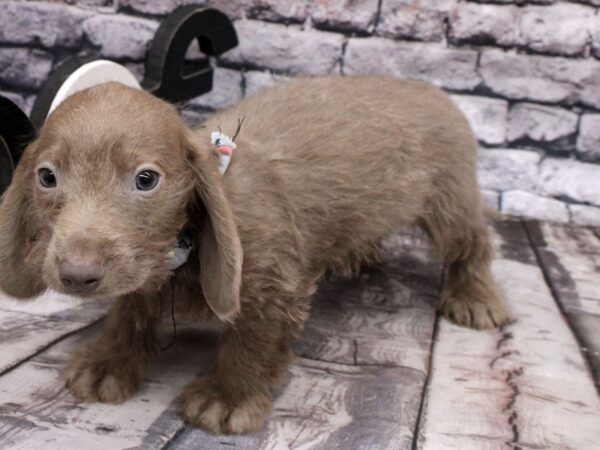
80,274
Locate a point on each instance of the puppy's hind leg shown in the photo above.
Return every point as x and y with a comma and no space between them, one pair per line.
470,296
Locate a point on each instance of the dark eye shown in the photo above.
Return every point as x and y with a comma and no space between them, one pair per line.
47,177
146,180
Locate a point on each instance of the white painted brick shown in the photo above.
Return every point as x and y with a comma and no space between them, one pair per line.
421,19
234,9
49,24
540,123
345,14
484,24
571,179
562,28
487,117
541,78
491,199
153,7
588,141
24,67
120,36
450,68
286,49
525,204
227,90
194,118
585,215
595,34
506,169
257,81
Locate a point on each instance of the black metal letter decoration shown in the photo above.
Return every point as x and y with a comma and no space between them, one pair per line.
16,131
167,75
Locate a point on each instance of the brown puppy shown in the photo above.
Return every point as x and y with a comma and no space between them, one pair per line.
323,170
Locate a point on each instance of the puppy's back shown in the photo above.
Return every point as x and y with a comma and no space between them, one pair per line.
357,155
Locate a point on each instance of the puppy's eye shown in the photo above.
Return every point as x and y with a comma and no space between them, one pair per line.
47,178
146,180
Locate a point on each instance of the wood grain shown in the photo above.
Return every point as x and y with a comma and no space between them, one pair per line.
362,367
332,406
37,412
570,258
524,386
26,327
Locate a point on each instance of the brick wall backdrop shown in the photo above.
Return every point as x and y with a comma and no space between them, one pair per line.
526,73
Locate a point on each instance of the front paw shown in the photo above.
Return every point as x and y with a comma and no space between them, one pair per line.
207,405
93,374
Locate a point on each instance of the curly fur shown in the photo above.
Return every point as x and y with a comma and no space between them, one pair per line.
324,168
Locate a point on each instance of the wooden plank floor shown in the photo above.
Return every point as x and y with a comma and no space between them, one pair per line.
376,368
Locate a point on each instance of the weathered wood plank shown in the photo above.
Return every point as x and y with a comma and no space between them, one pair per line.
383,317
525,386
363,360
570,257
332,406
26,327
37,412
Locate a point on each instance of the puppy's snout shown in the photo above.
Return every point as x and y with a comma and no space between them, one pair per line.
80,274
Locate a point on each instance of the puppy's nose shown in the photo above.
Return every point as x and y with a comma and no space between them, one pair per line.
80,274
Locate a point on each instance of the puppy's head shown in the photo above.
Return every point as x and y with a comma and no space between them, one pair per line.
98,199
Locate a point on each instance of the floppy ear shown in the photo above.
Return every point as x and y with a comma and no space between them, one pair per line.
220,248
20,267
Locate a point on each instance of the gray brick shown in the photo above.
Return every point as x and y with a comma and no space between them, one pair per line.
257,81
487,117
155,7
450,68
271,9
194,118
540,123
541,78
585,215
47,24
571,179
588,141
595,35
562,28
505,169
422,21
234,9
484,24
491,199
120,36
227,90
286,49
526,204
27,68
345,14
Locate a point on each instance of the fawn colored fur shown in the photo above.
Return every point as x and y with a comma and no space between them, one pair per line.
324,168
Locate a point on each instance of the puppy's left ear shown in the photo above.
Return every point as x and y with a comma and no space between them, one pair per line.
220,247
20,267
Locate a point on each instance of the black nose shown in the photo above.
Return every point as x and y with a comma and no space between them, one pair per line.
80,274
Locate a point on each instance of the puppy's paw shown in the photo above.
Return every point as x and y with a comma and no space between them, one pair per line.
93,376
474,313
206,405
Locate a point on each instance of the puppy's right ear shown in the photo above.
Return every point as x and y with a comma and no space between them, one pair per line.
20,267
220,247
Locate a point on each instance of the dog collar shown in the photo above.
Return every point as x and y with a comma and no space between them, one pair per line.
180,252
223,148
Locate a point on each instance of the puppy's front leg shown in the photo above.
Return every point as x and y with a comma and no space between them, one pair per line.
252,357
112,368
